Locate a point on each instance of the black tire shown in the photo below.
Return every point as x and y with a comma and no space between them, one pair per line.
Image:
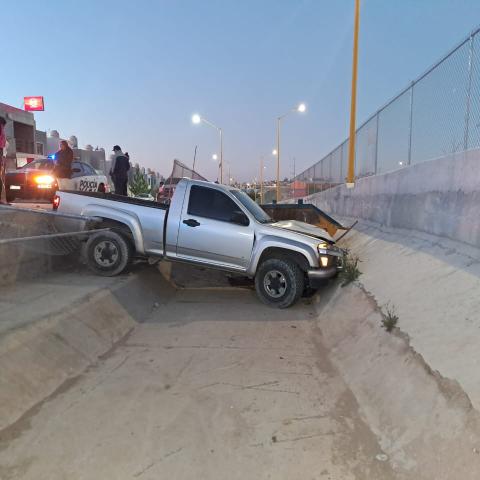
279,282
107,253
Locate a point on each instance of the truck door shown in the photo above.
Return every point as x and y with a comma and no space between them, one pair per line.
214,230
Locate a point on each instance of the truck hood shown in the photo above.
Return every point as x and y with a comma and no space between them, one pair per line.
305,229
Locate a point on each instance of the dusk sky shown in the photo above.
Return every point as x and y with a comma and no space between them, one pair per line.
133,73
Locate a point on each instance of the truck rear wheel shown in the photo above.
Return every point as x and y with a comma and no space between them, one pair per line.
107,253
279,282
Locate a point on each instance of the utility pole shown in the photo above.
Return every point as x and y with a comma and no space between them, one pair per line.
194,157
353,103
294,177
221,155
261,180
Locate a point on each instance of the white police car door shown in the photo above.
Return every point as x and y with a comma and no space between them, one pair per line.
88,180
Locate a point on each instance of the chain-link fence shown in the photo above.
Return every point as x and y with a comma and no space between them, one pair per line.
435,116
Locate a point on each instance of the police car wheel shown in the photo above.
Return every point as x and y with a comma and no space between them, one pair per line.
107,253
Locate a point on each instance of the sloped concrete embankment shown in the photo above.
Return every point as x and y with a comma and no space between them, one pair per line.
37,359
417,386
425,421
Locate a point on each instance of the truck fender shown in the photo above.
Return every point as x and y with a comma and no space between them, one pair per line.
272,242
128,219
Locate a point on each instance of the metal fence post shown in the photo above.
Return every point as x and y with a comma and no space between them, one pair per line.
411,126
469,93
376,144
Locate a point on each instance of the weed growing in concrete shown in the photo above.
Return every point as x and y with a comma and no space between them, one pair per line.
390,318
350,270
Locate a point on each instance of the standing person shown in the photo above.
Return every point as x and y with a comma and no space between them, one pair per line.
3,160
119,171
63,166
161,191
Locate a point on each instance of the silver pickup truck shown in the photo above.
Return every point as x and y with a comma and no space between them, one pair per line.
212,225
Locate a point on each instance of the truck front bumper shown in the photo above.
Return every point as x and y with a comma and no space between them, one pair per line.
317,276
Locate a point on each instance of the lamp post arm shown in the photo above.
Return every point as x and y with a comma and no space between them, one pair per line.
208,122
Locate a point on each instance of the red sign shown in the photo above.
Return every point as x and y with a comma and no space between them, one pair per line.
33,104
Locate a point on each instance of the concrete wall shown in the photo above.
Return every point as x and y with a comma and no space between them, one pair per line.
439,197
24,260
19,261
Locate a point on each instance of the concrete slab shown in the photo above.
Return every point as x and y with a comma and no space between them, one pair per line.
212,385
30,300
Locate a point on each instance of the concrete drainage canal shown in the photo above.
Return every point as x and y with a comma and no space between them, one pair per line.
181,373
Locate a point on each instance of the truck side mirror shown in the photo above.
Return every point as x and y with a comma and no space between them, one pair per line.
240,218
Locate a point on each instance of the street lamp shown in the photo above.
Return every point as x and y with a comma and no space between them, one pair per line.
197,119
215,157
300,108
262,168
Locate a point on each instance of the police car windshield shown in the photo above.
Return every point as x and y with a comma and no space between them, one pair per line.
43,164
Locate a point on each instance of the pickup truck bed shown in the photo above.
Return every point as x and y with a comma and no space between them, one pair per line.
121,198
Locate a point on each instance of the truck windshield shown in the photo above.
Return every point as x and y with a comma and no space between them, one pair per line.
255,209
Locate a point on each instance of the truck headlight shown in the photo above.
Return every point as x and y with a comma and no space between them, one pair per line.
322,247
324,261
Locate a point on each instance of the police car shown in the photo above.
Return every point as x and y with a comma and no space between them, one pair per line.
36,181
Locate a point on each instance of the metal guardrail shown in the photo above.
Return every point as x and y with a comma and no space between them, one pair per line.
38,230
11,209
6,241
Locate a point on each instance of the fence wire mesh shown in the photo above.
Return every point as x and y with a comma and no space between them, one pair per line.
436,116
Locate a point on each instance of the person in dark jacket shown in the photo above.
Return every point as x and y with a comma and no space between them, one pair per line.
119,171
63,159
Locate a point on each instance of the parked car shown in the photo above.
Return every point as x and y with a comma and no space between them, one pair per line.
36,180
211,225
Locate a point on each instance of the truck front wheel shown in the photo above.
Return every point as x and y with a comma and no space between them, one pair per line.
279,282
107,253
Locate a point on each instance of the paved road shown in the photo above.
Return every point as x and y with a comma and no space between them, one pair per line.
213,385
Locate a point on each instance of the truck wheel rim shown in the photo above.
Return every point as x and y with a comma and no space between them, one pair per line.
106,253
275,283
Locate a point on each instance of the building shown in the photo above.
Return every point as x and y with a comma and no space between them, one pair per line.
25,142
153,179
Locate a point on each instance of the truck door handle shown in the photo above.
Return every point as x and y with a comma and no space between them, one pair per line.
191,222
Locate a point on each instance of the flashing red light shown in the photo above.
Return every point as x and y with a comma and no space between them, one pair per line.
56,202
34,104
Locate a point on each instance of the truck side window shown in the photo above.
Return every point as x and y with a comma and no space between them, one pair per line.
211,203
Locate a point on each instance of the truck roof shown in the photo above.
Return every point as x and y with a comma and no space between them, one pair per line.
203,183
